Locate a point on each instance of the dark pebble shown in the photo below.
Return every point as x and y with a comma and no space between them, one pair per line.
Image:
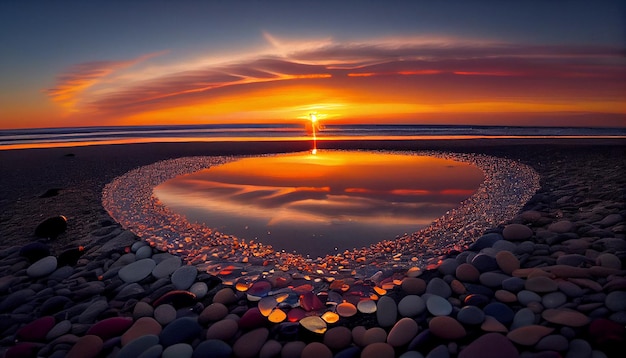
51,227
485,241
35,251
181,330
213,348
503,313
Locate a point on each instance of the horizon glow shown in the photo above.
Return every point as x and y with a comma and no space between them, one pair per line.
418,64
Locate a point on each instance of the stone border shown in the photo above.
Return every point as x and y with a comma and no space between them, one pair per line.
129,200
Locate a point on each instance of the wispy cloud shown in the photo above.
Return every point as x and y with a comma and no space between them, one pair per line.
340,65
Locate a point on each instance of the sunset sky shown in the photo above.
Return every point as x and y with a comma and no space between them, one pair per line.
100,63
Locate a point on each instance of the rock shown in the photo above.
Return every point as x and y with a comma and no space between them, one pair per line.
250,343
553,299
35,251
484,263
137,270
110,327
607,333
517,232
499,311
214,348
374,335
386,311
58,330
225,296
176,298
490,345
346,309
402,332
92,312
53,304
143,252
448,266
529,335
570,289
270,349
439,287
505,296
526,297
180,350
338,338
609,260
523,317
565,317
575,260
184,277
51,227
42,267
493,279
561,227
292,349
541,284
438,306
86,347
507,262
493,325
166,267
144,326
164,314
378,350
470,315
16,299
411,306
142,309
181,330
485,241
310,302
447,328
213,312
314,324
137,346
200,289
611,220
467,273
579,348
224,329
316,350
35,331
553,342
413,285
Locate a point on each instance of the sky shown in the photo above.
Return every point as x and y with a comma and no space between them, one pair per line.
109,63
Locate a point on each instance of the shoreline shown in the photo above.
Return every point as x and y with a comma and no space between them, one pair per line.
580,183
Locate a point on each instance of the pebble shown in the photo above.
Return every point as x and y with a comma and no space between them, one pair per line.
523,317
446,327
507,262
86,347
250,343
224,329
529,335
143,252
566,317
180,350
110,327
553,342
490,345
386,311
142,309
137,346
51,227
142,327
316,350
438,306
541,284
484,263
493,279
413,285
467,273
578,348
184,277
184,329
166,267
561,226
517,232
225,296
59,329
553,299
439,287
485,241
402,332
213,312
42,267
471,315
527,297
270,349
616,301
378,350
346,309
292,349
137,270
411,306
214,348
200,289
164,314
374,335
493,325
338,338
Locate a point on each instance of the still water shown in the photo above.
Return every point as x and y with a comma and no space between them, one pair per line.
324,203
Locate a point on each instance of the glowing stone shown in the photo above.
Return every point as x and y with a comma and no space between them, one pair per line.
346,309
266,305
366,306
314,324
277,316
330,317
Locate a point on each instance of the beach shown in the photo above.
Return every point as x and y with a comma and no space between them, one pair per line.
548,282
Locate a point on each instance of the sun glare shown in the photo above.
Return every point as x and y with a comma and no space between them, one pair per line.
313,117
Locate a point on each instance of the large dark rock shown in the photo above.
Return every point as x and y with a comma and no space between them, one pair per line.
52,227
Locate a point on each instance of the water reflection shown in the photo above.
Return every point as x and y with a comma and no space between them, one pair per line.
323,203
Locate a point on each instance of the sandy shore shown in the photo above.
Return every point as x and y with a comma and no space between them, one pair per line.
582,182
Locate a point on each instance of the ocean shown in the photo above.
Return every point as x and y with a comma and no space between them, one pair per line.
68,137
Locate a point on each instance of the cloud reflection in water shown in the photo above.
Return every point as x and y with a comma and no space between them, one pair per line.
324,203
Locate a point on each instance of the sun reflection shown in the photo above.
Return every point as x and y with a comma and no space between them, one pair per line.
313,117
